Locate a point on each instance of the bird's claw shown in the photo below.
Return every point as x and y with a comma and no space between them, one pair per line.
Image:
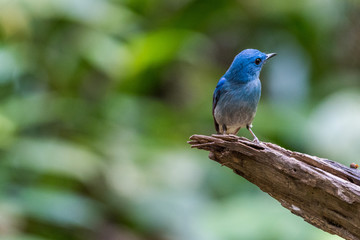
256,140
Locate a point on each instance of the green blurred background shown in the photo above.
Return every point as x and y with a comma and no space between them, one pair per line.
98,99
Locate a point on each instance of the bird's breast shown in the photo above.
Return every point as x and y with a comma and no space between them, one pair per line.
238,105
248,94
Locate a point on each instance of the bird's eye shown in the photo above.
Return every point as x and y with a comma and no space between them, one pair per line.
257,61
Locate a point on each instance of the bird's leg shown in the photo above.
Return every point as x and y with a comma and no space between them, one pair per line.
252,133
224,129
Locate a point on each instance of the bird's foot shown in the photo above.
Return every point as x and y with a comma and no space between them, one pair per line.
256,140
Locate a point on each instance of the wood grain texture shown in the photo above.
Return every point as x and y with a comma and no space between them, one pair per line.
324,193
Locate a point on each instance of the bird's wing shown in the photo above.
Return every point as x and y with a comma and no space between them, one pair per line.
218,91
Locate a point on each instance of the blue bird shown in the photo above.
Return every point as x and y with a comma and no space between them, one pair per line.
237,93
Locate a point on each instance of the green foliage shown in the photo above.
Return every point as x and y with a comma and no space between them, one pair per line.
99,97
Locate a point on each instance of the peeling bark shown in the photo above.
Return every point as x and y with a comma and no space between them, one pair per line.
324,193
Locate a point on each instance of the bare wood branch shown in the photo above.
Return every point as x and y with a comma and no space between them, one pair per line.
324,193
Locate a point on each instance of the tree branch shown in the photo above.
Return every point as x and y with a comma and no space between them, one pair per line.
324,193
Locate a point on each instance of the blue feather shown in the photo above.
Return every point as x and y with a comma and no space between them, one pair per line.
237,93
217,93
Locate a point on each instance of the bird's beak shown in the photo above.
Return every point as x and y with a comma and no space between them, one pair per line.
270,55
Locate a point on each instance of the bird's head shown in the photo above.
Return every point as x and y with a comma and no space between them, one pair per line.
247,65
